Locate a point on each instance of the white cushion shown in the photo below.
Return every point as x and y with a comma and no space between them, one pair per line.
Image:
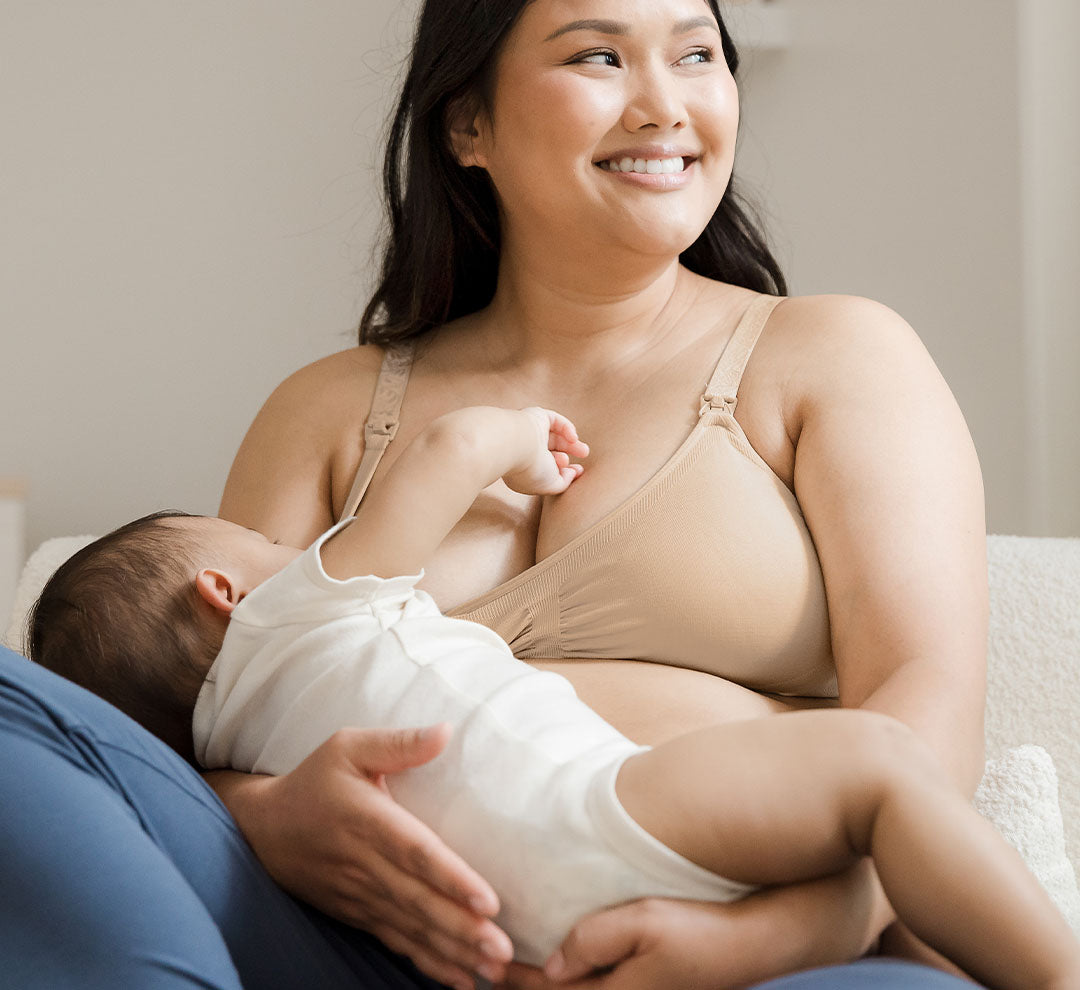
37,570
1033,673
1019,794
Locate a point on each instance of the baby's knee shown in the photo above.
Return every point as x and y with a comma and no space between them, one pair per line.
886,750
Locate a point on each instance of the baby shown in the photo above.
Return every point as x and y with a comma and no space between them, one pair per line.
239,652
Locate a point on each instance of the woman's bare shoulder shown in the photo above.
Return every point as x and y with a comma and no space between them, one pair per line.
307,431
343,378
818,348
822,322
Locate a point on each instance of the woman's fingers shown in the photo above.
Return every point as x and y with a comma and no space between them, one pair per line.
351,850
410,903
402,840
378,751
408,848
600,941
520,977
440,958
590,956
428,963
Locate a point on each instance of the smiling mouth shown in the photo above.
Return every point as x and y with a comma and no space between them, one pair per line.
649,166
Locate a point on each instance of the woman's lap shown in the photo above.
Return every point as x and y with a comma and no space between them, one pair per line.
119,866
870,974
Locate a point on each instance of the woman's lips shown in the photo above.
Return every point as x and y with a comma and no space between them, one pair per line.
662,174
646,166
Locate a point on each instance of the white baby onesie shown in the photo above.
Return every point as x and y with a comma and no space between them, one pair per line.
524,791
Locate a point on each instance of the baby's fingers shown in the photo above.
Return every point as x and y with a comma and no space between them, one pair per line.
574,447
563,436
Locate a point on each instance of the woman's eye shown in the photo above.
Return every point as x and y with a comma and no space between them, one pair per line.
602,57
697,57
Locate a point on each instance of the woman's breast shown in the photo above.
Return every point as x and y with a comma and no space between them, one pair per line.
709,566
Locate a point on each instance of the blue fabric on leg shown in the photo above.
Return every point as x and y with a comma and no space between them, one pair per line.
878,974
120,867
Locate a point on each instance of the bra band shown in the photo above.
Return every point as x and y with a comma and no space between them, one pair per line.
382,422
723,388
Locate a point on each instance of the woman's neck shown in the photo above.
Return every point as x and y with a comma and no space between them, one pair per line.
593,317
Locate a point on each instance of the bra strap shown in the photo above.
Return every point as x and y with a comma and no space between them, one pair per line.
723,388
382,422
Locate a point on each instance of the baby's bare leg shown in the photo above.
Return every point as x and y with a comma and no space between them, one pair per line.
802,795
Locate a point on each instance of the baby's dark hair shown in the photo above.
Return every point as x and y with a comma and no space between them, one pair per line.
122,618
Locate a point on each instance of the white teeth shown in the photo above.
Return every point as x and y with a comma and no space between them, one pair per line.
651,166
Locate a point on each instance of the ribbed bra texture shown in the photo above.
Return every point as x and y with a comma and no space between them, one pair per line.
709,565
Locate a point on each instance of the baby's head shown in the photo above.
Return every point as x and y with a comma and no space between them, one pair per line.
138,616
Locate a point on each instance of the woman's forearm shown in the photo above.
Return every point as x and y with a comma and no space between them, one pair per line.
920,697
240,793
820,922
688,945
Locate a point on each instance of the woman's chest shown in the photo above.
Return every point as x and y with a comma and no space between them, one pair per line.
505,533
632,433
636,420
695,482
709,565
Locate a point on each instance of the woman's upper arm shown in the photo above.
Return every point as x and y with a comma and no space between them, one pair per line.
307,436
889,482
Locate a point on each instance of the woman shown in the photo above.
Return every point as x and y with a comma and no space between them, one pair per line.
842,536
563,233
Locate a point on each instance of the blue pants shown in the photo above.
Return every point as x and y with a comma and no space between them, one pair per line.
119,867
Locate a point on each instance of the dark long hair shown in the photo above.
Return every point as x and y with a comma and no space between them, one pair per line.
441,255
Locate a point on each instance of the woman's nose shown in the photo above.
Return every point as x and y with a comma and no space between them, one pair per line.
655,99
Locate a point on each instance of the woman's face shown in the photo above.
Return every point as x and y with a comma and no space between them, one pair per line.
612,124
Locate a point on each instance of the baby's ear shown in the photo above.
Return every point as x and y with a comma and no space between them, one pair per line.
218,590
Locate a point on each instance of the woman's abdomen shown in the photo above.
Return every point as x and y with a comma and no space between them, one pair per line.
651,702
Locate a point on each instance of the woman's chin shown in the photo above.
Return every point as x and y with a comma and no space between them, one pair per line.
644,243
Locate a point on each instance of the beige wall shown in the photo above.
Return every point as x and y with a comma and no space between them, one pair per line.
187,204
885,139
926,154
187,201
1050,194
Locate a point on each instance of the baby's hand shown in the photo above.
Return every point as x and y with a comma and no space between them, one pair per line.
547,469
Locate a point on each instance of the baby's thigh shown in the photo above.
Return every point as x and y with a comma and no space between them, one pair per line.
768,800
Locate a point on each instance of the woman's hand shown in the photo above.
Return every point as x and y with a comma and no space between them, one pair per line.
687,945
330,833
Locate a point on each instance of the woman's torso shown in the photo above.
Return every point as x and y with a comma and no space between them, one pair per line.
682,544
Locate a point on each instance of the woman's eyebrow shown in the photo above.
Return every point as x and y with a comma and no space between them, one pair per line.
620,28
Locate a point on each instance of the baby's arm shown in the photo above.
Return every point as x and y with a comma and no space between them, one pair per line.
438,476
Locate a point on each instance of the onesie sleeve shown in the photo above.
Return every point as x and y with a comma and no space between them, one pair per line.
285,634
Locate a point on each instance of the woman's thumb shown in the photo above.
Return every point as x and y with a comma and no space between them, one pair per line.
394,750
